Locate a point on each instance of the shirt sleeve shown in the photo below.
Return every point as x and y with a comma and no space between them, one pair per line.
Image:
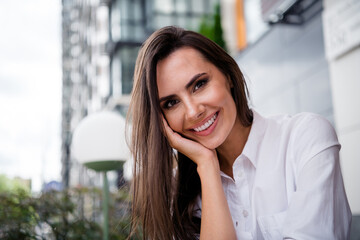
319,208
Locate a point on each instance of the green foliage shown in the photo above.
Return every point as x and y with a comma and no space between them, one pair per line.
211,28
17,216
71,214
218,32
12,185
58,211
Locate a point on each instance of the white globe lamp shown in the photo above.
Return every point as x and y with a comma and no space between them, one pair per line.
99,143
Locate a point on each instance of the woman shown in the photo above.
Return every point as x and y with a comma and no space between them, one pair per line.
234,174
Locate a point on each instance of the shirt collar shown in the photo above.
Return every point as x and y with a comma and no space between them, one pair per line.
257,131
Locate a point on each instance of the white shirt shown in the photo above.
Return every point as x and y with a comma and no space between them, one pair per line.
287,181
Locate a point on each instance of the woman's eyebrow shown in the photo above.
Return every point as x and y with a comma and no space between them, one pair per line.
167,97
193,79
187,86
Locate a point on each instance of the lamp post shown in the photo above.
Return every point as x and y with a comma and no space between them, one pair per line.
99,143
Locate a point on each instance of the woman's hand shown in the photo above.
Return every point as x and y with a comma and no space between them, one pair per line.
214,210
192,149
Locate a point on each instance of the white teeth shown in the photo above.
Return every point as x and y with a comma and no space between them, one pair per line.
206,125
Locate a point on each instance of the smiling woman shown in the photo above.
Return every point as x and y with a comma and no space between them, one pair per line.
235,174
195,98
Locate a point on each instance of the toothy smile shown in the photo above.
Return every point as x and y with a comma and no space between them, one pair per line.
207,124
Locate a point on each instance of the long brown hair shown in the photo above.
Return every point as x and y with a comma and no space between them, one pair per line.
163,202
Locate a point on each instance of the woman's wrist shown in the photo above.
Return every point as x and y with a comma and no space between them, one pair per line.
208,166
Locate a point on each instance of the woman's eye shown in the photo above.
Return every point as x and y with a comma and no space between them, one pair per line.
200,83
170,103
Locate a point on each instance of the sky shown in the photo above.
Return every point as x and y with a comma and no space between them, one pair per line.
30,90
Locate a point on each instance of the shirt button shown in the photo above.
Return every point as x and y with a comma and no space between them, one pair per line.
245,213
236,223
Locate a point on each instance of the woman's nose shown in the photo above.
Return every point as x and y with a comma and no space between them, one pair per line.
194,110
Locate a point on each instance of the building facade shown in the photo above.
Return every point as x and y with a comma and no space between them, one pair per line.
100,42
85,73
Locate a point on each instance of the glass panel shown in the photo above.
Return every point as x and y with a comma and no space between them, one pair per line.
150,23
164,6
139,33
127,21
124,7
181,21
149,8
163,20
181,6
116,75
193,23
211,6
198,6
125,33
137,10
115,22
128,57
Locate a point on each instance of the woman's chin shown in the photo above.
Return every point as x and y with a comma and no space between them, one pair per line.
209,143
212,145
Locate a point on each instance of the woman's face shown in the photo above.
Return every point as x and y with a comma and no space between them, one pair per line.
195,97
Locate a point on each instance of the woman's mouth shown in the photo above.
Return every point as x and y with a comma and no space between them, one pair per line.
206,125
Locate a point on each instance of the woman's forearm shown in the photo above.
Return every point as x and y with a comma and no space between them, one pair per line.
216,221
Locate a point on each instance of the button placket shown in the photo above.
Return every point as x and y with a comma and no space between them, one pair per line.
243,195
245,213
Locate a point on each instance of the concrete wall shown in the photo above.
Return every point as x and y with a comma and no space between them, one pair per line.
287,72
345,82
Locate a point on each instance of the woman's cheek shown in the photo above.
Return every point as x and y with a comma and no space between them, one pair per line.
173,122
218,97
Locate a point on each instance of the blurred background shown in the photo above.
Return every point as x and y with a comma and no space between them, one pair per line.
61,61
